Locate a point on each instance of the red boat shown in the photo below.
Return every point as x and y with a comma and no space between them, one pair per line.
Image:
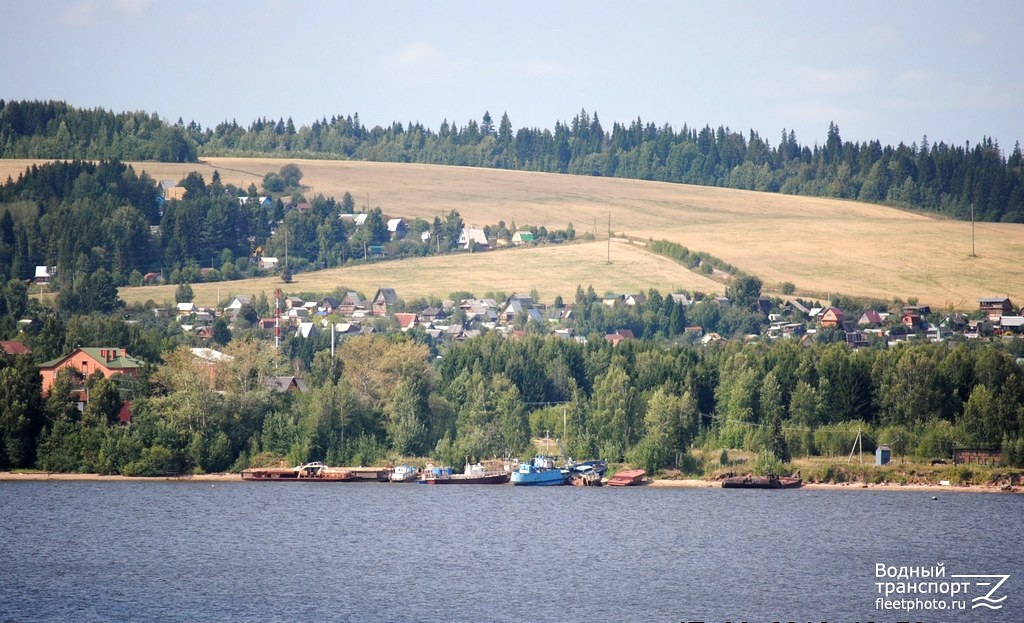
761,482
310,472
626,478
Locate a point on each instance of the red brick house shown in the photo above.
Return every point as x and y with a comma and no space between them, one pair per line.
87,361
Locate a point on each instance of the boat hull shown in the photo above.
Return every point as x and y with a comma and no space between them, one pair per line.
628,478
547,478
277,474
761,482
462,479
585,479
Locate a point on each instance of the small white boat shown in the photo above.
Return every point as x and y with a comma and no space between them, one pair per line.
404,473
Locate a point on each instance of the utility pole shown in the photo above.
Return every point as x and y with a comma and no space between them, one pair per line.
972,230
609,258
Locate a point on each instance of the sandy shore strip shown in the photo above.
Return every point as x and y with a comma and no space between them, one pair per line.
694,483
850,486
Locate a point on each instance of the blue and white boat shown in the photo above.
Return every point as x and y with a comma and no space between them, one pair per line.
404,473
541,471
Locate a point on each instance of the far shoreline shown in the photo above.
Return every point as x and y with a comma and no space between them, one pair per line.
693,483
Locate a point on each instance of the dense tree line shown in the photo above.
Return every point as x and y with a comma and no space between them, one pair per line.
56,130
939,177
384,397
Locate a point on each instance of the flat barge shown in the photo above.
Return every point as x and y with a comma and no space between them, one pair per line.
309,472
761,482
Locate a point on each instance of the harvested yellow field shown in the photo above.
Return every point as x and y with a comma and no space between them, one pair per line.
551,271
822,246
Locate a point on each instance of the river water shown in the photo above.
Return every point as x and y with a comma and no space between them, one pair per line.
201,551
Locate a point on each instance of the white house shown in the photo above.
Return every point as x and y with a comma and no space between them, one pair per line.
471,236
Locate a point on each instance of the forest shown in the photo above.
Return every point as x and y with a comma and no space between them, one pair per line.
935,177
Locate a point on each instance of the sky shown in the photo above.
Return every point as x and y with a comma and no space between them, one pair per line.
893,71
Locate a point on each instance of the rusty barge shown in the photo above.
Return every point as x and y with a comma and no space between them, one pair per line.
309,472
761,482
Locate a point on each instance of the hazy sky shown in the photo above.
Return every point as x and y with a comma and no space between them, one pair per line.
887,70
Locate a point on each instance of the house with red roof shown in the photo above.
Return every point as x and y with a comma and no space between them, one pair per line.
15,348
832,317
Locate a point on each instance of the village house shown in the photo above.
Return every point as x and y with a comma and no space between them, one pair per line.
44,274
870,317
912,320
405,320
472,238
397,228
327,305
286,384
995,308
522,237
681,299
384,301
433,314
479,310
15,348
619,336
238,303
1011,325
87,361
832,317
349,303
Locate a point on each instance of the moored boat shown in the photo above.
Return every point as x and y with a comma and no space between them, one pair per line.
404,473
472,475
598,466
627,478
585,478
761,482
308,472
541,471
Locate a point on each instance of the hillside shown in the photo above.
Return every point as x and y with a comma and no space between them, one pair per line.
820,245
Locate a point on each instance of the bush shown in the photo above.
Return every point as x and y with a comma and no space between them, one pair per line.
156,461
767,464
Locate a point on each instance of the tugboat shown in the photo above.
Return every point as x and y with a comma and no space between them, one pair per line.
541,471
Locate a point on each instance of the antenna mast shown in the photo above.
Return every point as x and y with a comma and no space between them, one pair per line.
277,319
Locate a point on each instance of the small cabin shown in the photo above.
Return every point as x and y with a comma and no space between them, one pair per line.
977,456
